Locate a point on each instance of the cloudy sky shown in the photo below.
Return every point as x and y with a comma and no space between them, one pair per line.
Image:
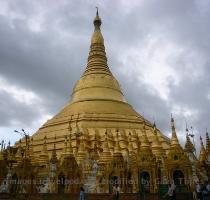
158,50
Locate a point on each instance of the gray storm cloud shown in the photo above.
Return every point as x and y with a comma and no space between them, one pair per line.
159,52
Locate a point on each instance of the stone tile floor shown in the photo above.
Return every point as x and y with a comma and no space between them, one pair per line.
184,196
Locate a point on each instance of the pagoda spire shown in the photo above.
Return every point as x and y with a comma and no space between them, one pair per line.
68,151
45,145
117,149
106,154
130,144
174,139
189,147
145,153
106,144
202,156
97,60
44,157
65,145
31,150
54,158
97,82
207,142
131,154
81,151
64,149
69,147
144,140
19,154
156,143
157,148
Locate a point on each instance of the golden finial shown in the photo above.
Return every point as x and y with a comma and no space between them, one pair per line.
202,156
96,10
144,127
201,139
130,142
174,139
70,146
106,136
154,126
45,143
188,145
105,144
70,128
117,145
172,119
207,142
54,155
97,20
156,142
144,139
187,130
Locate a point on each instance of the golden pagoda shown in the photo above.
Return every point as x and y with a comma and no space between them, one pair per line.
100,140
97,106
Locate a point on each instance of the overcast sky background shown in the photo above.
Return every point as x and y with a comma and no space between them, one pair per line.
158,50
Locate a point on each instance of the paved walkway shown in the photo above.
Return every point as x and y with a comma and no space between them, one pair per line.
185,196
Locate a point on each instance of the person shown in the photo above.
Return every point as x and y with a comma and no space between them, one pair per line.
116,192
170,191
208,187
204,191
194,191
198,191
82,194
174,190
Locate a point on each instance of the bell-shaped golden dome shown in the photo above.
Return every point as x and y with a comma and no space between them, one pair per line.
97,102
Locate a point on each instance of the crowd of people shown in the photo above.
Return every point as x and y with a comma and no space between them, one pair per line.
116,193
201,192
